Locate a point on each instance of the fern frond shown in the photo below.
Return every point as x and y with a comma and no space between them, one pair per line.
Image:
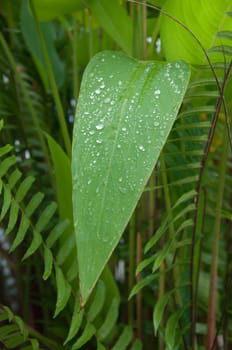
25,216
14,333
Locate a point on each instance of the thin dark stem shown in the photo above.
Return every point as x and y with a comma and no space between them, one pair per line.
220,102
223,315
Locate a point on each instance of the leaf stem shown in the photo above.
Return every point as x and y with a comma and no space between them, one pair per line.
140,30
193,291
216,238
131,277
139,305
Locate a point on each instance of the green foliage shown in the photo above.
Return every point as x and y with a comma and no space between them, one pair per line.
14,333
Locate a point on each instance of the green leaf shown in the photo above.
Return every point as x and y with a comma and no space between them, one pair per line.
72,272
100,346
56,233
9,313
142,283
24,187
124,339
159,310
14,178
161,255
28,28
6,164
45,216
63,291
35,244
211,18
22,327
109,321
34,203
226,34
125,112
49,9
98,301
5,149
6,330
3,316
76,321
68,246
34,344
62,169
87,334
171,328
24,226
13,215
48,262
137,345
6,202
115,21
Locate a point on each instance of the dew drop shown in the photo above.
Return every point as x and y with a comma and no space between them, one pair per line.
141,148
99,141
97,91
156,123
124,129
122,189
99,126
107,100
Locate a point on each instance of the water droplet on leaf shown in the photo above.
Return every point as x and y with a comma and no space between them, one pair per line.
99,126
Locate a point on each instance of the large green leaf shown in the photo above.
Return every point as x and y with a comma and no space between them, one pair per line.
125,112
204,19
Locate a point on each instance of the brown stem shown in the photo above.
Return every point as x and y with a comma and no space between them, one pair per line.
139,294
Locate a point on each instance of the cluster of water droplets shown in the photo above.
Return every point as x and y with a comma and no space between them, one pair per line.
125,131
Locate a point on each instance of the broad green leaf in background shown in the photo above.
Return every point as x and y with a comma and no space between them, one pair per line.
49,9
125,112
204,19
31,37
113,17
62,167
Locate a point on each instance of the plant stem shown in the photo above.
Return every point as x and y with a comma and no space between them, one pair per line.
49,343
60,111
139,294
216,239
139,12
193,291
74,59
132,230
